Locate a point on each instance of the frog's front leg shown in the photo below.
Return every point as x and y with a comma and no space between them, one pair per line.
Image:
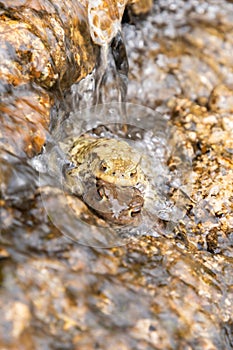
72,179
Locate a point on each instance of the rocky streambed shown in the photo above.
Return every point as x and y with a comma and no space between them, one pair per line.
169,290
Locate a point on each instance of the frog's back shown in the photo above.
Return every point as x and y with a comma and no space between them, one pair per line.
81,147
103,147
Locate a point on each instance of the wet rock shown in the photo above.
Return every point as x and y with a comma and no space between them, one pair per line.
45,43
139,7
179,51
171,292
221,99
156,291
42,47
45,48
212,167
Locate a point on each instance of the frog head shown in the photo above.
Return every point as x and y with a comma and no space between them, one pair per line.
119,171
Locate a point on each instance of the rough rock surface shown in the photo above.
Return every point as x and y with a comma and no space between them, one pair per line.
162,292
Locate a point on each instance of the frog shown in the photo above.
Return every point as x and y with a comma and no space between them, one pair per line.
106,174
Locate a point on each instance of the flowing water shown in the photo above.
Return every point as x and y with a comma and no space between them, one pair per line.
155,147
169,286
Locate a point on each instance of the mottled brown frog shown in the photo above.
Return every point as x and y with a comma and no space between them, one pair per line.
106,173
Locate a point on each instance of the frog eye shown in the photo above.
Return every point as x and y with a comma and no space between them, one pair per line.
133,173
103,167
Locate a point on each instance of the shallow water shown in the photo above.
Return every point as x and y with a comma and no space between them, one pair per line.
160,291
156,149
